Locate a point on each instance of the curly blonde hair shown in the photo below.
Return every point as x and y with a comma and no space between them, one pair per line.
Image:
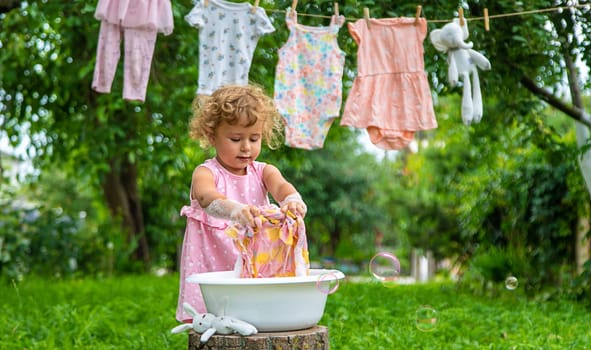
229,104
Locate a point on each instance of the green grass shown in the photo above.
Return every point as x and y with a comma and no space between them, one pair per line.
386,318
137,312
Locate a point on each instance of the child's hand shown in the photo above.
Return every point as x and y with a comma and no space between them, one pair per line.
294,204
246,215
295,208
232,210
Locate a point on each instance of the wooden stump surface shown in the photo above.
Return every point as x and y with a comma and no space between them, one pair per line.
314,338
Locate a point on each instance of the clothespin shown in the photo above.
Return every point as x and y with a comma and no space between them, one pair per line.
418,13
294,4
256,4
461,14
486,20
205,3
366,15
336,9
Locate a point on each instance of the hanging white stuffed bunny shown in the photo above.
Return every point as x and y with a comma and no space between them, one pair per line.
208,324
463,62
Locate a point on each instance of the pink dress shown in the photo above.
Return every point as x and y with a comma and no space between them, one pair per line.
390,96
206,246
140,14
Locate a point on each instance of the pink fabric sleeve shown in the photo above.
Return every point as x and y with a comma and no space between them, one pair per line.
353,30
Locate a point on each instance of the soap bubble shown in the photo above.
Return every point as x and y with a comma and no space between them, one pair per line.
385,267
511,283
327,282
426,320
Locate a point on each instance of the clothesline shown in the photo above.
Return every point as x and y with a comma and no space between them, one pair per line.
480,18
512,14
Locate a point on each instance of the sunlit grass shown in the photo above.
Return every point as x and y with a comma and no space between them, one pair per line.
386,318
137,312
133,312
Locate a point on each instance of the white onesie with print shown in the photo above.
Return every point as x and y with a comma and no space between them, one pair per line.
228,35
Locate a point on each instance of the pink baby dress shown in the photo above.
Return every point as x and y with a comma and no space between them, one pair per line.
390,96
145,14
206,246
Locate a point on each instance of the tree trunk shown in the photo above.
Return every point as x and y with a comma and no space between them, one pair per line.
581,243
335,238
315,338
121,193
583,251
582,125
582,130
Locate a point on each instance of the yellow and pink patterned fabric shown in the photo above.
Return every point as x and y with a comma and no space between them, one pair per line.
276,247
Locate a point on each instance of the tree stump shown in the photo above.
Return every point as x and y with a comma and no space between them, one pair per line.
314,338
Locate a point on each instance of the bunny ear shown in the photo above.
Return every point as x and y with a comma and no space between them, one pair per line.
181,328
189,309
435,38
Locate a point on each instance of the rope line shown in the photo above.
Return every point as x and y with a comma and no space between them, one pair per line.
512,14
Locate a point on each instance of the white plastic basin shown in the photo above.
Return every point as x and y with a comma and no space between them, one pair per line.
270,304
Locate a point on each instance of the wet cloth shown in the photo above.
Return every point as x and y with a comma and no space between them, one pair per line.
138,21
308,81
228,35
275,247
206,246
390,96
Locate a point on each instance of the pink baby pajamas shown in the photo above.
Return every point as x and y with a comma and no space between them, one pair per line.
390,96
308,85
138,21
276,247
206,246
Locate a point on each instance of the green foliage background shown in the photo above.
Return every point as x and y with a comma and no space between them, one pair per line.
510,182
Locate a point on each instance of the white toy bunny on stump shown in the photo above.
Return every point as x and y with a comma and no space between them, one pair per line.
208,324
463,62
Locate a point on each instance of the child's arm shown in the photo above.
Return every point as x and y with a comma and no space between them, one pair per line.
282,191
216,204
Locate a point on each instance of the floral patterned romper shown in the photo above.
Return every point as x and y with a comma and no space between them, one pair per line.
308,81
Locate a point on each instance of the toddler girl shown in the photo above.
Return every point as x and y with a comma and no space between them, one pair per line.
231,187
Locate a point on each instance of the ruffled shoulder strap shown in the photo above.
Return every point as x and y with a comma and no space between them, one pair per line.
291,17
337,20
